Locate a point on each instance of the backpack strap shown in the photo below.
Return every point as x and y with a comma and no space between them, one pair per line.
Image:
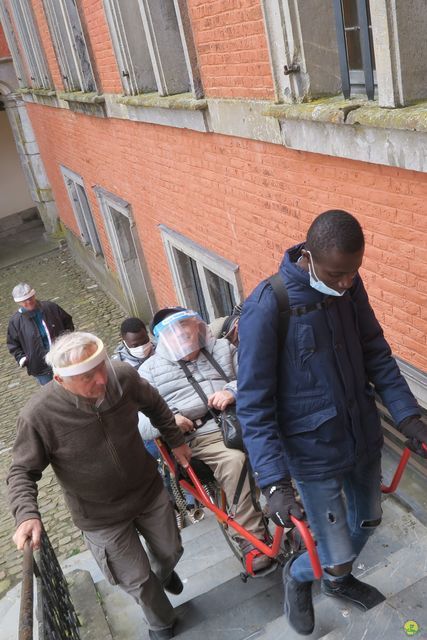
280,291
285,312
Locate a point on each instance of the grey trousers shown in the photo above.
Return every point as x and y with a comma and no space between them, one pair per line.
124,562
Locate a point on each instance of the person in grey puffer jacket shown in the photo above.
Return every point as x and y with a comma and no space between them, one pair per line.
184,337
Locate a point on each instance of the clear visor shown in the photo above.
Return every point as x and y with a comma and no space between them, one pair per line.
97,389
181,335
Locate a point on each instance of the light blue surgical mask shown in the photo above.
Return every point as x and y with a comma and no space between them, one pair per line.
318,284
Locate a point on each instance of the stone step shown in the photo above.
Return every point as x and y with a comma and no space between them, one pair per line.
84,596
207,562
231,611
390,562
216,605
392,620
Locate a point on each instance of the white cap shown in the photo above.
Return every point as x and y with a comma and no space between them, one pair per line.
22,292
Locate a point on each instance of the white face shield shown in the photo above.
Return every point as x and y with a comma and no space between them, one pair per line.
181,334
92,381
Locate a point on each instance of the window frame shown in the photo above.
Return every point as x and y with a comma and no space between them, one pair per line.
108,201
205,259
351,78
9,31
30,45
72,60
83,215
165,79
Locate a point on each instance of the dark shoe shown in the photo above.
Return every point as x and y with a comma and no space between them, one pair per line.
298,602
173,585
161,634
351,589
260,562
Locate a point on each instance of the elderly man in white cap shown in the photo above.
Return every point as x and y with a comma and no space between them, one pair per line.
85,424
32,329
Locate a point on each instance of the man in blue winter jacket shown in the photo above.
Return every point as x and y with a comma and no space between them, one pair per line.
306,404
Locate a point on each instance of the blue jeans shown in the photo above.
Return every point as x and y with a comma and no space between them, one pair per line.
342,513
44,378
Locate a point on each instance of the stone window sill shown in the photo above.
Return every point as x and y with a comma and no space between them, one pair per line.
354,111
182,101
44,93
81,96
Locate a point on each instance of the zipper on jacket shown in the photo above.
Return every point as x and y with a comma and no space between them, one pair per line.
111,447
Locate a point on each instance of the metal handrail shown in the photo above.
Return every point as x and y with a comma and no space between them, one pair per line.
26,606
56,614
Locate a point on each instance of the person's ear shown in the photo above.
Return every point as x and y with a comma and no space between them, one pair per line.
58,379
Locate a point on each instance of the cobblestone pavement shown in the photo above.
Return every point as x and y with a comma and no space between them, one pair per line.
55,276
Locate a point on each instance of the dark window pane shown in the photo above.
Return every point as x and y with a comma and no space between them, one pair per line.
190,283
352,34
220,293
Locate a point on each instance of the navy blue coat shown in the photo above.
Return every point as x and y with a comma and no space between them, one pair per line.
310,411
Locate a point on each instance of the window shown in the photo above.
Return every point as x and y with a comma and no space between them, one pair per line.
355,48
150,44
128,253
203,280
70,45
38,73
82,210
20,71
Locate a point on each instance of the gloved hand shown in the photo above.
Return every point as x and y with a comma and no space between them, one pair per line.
282,503
416,430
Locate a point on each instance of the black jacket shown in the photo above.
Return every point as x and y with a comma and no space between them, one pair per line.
24,339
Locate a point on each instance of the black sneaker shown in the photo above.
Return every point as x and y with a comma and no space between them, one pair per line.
351,589
161,634
173,584
298,602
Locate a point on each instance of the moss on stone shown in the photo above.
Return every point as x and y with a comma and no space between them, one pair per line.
81,96
354,111
154,100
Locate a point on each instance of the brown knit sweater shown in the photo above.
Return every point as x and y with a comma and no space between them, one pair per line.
106,474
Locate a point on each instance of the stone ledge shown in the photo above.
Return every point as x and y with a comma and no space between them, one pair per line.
46,93
353,112
81,96
184,101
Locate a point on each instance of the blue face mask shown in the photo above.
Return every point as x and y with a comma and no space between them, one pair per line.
318,284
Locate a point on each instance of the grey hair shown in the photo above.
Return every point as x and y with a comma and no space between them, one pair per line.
70,348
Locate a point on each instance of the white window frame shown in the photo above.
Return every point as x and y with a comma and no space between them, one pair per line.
76,66
30,42
82,212
205,259
21,72
161,59
108,201
122,48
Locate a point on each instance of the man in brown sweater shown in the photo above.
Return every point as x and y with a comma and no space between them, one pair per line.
84,424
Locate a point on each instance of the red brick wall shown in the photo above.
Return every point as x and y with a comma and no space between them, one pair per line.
4,49
248,201
93,14
232,48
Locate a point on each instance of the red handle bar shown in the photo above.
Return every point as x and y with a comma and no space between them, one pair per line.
197,490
